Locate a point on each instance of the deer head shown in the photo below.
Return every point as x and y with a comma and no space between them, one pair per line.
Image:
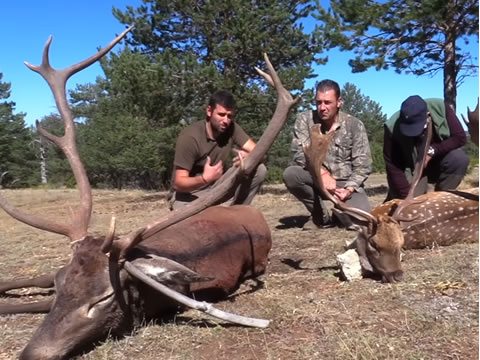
95,286
380,238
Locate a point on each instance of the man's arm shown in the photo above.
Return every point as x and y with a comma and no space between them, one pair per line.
186,154
361,157
186,183
301,135
457,136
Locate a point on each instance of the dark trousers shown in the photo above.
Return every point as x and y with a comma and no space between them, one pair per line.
244,194
300,183
445,172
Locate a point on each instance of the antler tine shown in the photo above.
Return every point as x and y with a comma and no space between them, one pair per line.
56,80
315,154
417,174
473,124
225,186
284,104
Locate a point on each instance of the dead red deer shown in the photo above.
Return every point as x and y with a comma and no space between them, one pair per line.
437,218
110,284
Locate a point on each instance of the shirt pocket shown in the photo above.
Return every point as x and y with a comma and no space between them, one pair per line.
343,149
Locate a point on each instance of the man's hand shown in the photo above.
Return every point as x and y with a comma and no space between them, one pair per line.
329,182
241,154
343,194
212,173
427,160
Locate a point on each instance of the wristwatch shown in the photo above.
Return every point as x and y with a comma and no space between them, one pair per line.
431,151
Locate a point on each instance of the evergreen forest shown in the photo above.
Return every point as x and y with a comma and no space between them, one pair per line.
159,79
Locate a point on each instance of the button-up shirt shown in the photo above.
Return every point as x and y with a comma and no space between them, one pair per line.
348,159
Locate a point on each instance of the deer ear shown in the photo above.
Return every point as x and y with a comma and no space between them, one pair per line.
167,272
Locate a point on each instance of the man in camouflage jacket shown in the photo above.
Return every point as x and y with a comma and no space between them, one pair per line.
347,165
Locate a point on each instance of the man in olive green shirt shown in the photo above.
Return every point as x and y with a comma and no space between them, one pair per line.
202,149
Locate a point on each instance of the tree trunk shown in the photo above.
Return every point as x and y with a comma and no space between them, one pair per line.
449,73
43,164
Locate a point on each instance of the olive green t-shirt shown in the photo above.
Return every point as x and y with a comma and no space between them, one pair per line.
194,145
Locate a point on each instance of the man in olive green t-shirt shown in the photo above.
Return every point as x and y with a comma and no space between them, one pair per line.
204,146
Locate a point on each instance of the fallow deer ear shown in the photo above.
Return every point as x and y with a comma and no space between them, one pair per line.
168,272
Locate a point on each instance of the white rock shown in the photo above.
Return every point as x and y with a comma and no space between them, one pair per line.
349,263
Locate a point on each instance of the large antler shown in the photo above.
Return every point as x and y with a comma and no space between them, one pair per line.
472,124
57,80
417,174
226,185
315,153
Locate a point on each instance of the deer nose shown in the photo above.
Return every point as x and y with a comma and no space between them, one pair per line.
39,353
392,277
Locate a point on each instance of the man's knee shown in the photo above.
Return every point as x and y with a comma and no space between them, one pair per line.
456,162
290,176
261,173
360,201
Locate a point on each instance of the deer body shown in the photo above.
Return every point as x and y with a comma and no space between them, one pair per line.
227,245
444,218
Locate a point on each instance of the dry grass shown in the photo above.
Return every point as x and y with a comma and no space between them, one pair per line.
432,314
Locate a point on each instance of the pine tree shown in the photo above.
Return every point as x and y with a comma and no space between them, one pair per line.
370,113
19,164
178,54
416,36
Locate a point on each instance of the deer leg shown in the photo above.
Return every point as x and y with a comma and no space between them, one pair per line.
37,307
44,281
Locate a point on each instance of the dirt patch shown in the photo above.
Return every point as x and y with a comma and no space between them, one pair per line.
432,314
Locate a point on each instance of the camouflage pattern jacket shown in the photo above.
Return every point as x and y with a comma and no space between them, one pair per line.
348,157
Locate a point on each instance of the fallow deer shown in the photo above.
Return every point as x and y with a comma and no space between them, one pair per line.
435,218
112,283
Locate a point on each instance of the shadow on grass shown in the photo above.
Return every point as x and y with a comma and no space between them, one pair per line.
289,222
295,264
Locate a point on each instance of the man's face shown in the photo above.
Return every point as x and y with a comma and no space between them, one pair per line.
327,105
220,118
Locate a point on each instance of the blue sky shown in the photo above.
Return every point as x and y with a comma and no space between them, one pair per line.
80,27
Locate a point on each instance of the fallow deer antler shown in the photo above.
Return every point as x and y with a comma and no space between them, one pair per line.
472,124
315,154
57,79
226,185
417,174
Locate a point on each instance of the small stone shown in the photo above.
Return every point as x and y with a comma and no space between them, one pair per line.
349,263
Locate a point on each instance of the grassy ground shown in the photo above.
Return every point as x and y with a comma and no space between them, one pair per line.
432,314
